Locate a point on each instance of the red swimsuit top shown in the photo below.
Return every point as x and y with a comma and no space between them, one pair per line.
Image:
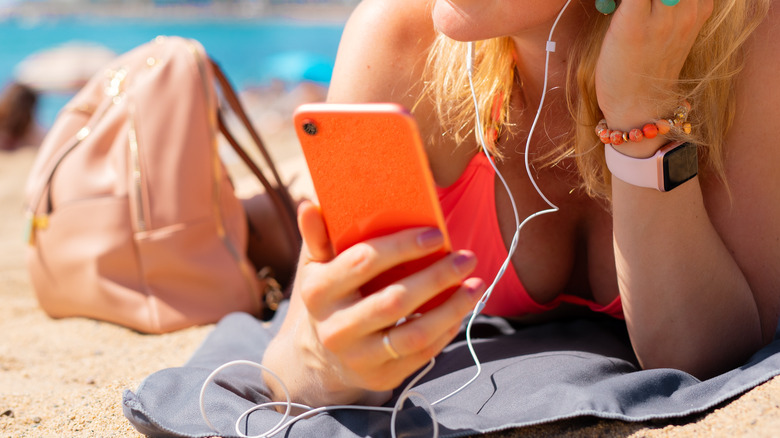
470,213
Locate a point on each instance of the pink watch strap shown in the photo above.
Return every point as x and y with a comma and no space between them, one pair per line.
642,172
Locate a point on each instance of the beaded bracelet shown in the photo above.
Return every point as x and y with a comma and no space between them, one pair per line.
649,130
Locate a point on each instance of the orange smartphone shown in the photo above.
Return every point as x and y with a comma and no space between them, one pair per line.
371,177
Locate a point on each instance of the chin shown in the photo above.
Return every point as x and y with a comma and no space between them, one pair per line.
453,23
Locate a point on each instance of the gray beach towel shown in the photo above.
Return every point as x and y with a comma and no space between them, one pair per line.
530,375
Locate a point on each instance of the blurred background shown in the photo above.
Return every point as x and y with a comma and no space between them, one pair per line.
277,53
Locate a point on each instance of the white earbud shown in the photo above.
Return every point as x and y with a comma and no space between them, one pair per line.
470,58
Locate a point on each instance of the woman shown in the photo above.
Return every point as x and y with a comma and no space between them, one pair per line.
694,270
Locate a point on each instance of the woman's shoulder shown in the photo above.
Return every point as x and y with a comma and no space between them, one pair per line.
382,51
757,88
394,21
763,41
381,58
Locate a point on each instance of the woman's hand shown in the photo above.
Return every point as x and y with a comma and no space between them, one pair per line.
642,55
330,349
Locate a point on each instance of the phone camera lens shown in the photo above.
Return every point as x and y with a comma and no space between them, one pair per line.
309,127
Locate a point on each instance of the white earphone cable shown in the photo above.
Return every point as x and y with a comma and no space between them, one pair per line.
518,225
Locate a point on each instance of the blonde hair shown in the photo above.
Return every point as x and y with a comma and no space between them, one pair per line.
706,81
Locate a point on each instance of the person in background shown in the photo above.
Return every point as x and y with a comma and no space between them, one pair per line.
690,261
17,116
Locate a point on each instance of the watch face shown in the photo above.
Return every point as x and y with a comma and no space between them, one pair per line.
680,165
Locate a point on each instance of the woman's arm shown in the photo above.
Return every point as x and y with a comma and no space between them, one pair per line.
686,301
382,58
382,53
690,299
330,348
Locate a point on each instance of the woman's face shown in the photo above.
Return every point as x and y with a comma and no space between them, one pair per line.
472,20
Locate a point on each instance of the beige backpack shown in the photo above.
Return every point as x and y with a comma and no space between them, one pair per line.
132,216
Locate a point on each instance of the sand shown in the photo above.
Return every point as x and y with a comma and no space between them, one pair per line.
64,378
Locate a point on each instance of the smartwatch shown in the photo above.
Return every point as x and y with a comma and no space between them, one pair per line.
671,166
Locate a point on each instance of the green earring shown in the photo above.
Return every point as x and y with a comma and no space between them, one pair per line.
607,7
670,2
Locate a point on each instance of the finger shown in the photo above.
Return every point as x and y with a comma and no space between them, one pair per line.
393,372
326,288
683,14
379,366
368,316
401,299
420,335
309,287
650,11
634,7
314,233
364,261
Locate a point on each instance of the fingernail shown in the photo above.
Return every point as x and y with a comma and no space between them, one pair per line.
432,238
464,262
476,289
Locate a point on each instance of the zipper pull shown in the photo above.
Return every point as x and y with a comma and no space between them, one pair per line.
34,223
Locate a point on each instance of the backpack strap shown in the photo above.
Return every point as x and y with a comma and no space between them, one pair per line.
283,202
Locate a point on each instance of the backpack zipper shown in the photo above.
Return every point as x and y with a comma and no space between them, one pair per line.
135,162
41,221
249,275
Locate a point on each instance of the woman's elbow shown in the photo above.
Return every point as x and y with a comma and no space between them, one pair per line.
702,360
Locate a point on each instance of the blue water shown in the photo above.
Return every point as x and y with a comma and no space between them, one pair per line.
251,52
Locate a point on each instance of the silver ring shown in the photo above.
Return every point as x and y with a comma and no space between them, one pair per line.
388,346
